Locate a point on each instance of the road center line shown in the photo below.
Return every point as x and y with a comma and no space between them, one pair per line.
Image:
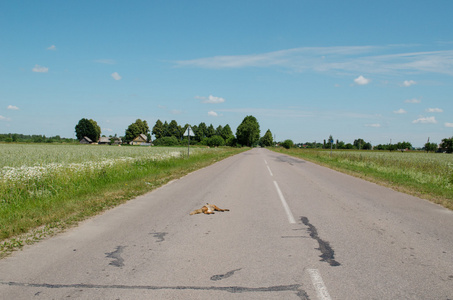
319,285
285,205
270,172
268,168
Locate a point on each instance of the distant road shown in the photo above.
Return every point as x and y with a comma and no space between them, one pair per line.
295,230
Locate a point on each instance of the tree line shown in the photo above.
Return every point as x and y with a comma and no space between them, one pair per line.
172,134
359,144
23,138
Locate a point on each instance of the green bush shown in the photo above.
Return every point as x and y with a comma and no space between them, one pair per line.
287,144
166,141
230,141
216,141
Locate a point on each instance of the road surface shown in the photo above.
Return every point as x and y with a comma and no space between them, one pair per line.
295,230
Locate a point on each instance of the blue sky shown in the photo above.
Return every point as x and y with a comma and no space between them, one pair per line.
376,70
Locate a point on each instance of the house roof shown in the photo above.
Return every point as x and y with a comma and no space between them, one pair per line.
141,137
87,139
104,139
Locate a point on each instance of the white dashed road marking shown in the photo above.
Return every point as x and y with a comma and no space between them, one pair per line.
285,205
270,172
319,285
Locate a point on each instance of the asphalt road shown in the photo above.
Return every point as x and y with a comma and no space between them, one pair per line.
295,230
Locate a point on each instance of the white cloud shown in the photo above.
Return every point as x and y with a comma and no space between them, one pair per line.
212,113
425,120
12,107
211,99
408,82
373,125
40,69
106,61
362,80
116,76
347,59
107,129
434,110
400,111
448,124
52,48
2,118
412,101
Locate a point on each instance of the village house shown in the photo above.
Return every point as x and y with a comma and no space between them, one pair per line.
103,140
142,139
86,140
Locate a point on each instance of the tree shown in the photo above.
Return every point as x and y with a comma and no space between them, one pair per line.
367,146
248,132
165,129
158,129
226,132
430,147
88,128
403,146
228,136
447,144
210,132
267,139
173,129
287,144
358,144
218,130
142,126
201,132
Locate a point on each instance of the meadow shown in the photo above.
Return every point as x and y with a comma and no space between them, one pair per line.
24,162
425,175
46,188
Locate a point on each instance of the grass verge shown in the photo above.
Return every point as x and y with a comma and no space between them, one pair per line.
428,176
29,212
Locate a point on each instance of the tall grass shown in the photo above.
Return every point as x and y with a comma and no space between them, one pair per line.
426,175
53,186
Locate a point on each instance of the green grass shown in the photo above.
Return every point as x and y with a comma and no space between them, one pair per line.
425,175
56,191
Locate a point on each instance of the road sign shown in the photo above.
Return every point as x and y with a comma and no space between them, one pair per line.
189,132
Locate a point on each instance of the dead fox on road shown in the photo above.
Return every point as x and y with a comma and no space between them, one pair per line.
208,209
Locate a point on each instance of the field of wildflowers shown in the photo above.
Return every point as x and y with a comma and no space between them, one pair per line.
25,162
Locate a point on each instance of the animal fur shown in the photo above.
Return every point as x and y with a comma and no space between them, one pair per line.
208,209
